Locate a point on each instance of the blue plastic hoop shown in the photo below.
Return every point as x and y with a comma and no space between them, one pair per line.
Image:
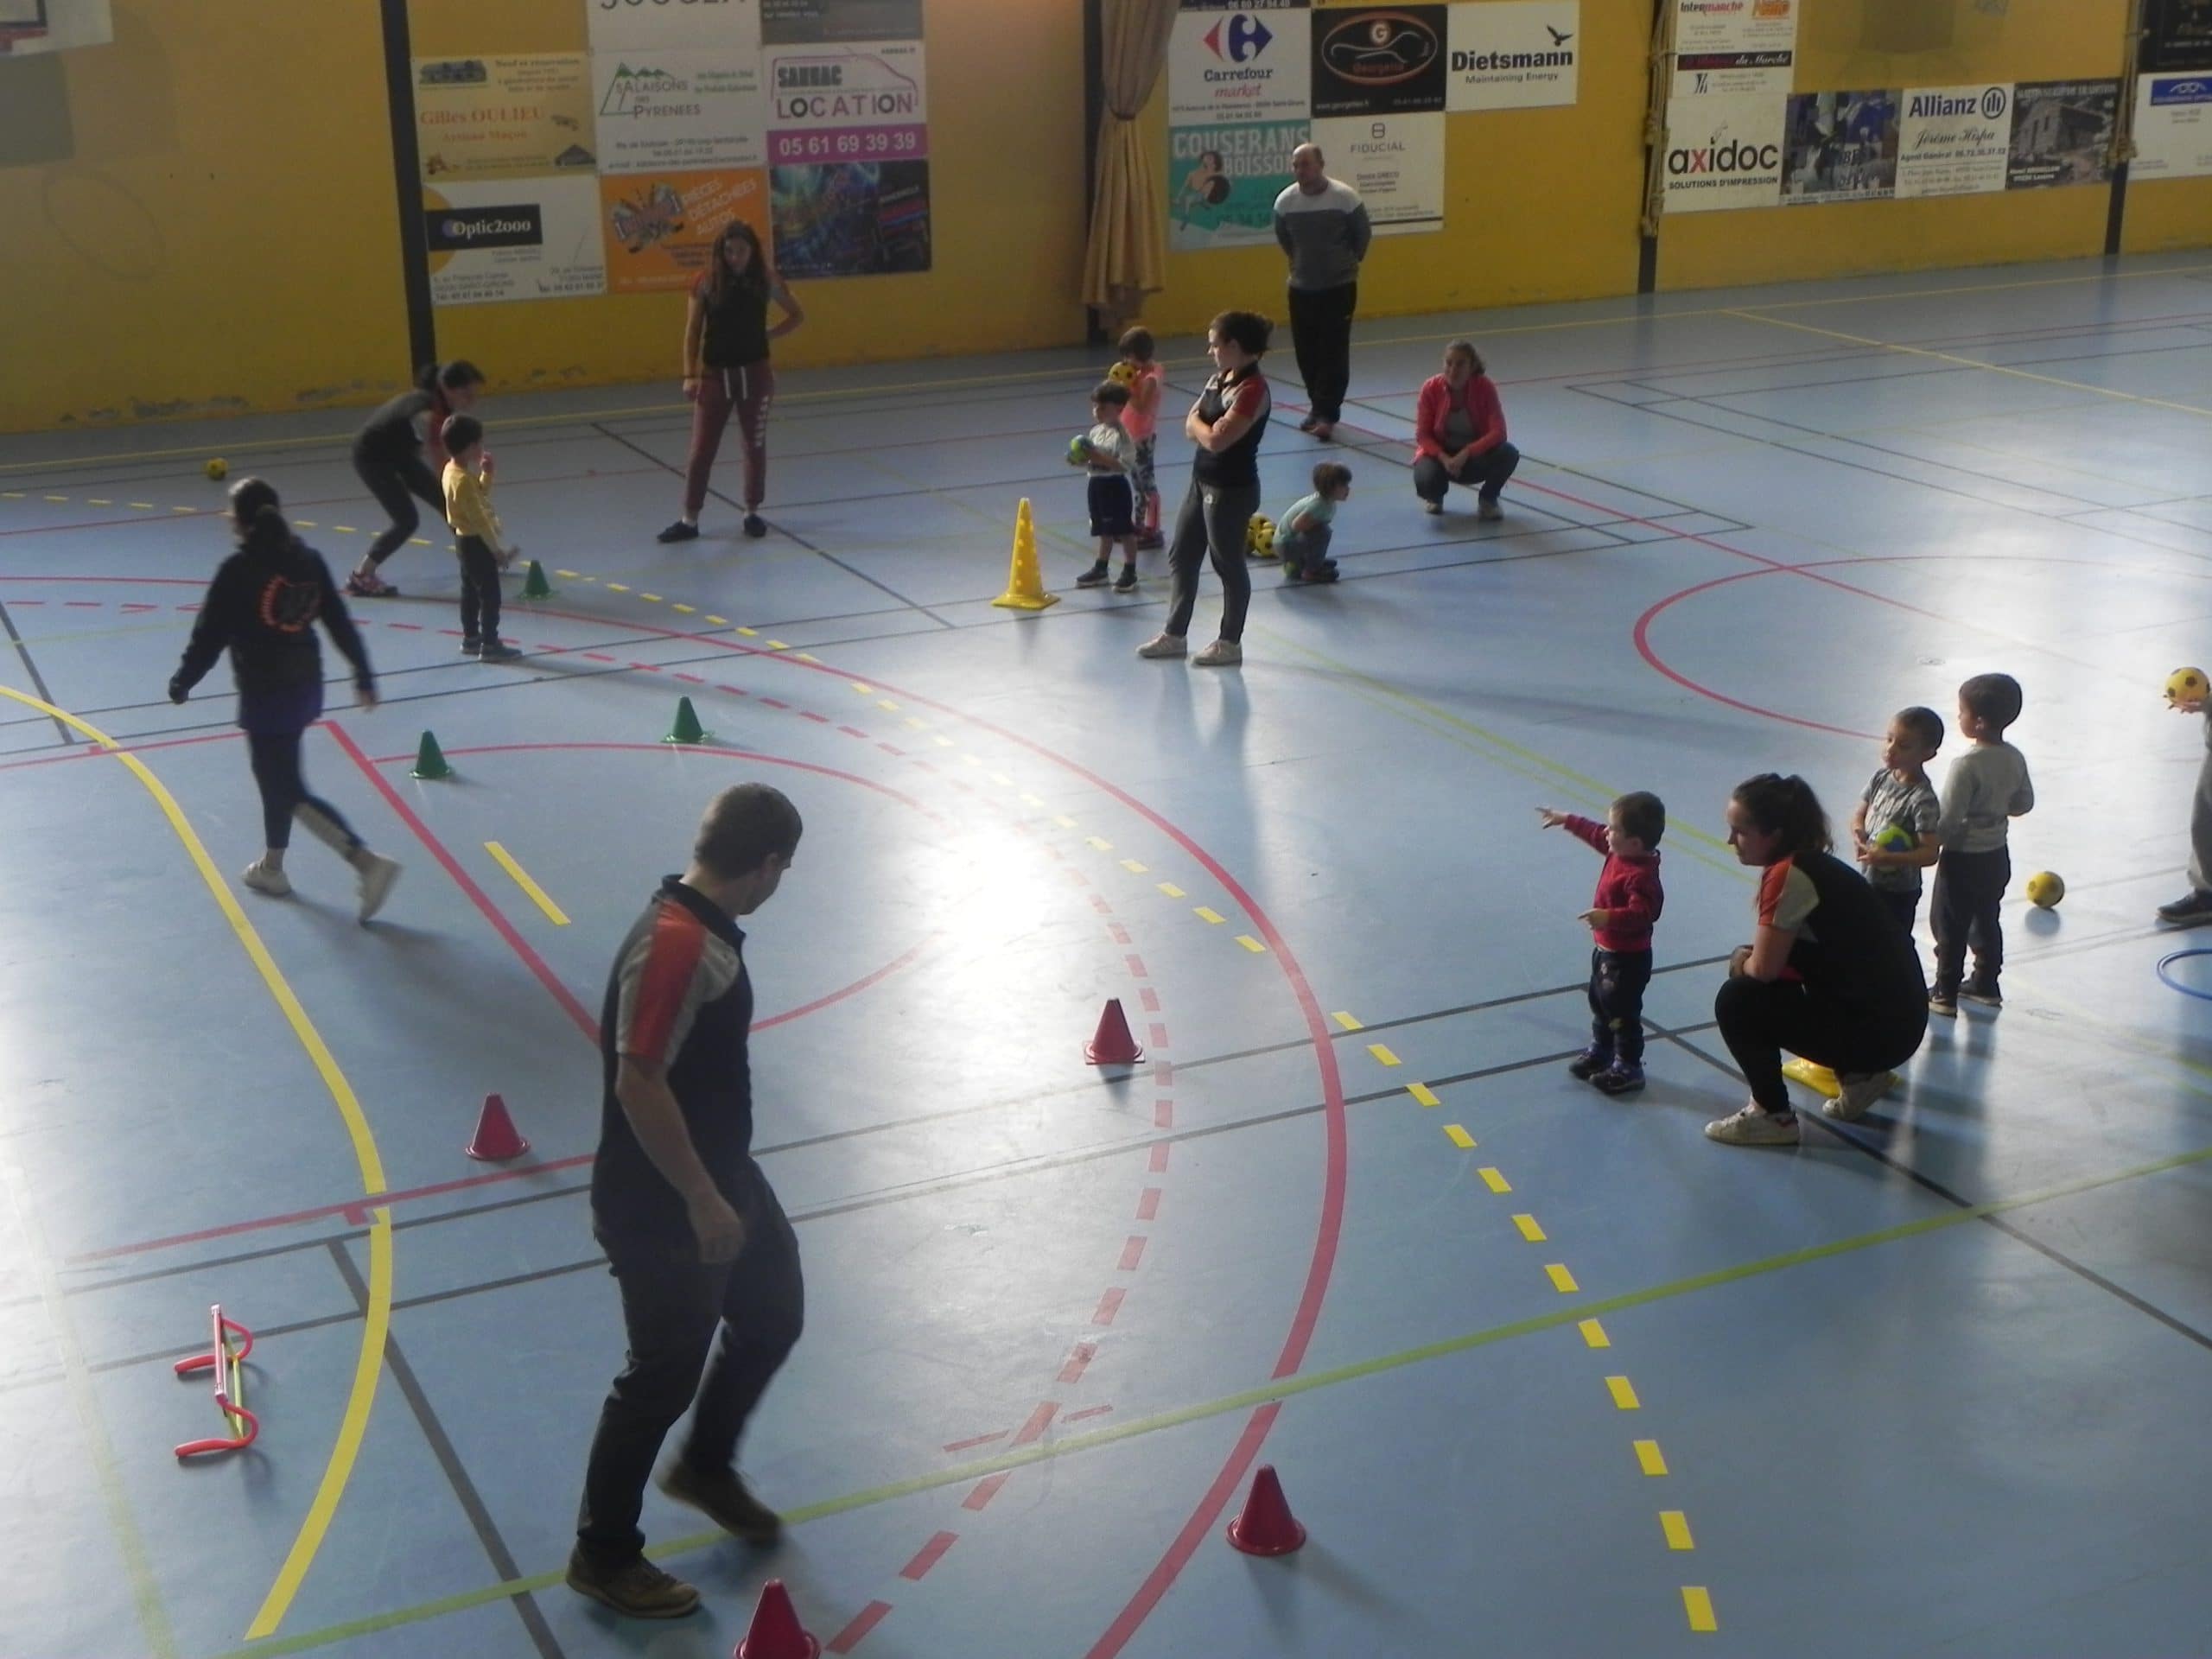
2168,980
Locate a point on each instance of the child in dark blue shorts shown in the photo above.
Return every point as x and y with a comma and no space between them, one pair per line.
1110,454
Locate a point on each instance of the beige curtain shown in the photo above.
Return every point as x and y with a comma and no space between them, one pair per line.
1127,258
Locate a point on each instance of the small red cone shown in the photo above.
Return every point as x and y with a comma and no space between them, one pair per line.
1112,1044
496,1140
1267,1526
775,1632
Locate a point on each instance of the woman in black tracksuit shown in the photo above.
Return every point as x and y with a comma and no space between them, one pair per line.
262,605
1828,976
388,455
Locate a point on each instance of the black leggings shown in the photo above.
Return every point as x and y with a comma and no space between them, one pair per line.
1214,520
392,483
1759,1019
285,794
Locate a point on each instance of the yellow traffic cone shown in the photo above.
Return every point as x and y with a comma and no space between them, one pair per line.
1025,586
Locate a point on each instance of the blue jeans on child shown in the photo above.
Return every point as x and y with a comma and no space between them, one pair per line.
1301,550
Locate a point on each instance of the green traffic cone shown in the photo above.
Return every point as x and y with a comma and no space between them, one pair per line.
686,730
429,762
534,585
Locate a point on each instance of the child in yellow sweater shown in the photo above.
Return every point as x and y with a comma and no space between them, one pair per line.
477,539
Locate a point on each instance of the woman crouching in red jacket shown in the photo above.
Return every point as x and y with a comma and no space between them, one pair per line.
1459,435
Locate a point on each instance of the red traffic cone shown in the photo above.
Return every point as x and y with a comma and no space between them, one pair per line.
1112,1044
1267,1526
775,1632
495,1139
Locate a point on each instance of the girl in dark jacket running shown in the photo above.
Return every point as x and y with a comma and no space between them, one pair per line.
262,606
388,454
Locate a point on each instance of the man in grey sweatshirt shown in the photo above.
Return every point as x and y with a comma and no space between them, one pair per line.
1322,226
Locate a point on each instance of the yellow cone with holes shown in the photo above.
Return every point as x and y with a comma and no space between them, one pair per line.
1025,584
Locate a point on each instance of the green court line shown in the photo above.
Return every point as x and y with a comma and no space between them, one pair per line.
1286,1388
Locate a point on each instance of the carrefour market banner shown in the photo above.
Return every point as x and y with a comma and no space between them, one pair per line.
1230,63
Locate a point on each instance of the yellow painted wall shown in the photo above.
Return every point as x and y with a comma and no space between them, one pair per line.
207,233
1844,44
1006,184
2167,213
1540,204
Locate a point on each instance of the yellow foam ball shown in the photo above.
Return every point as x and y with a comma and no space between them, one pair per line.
1260,536
2188,685
218,468
1122,373
2045,889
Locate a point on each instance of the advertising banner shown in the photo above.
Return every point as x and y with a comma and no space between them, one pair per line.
689,107
859,219
1954,141
1373,60
1840,147
494,240
660,228
797,23
2176,34
1726,48
1394,162
660,25
32,26
1510,55
1723,152
2062,133
1223,181
2173,126
509,118
1238,64
856,101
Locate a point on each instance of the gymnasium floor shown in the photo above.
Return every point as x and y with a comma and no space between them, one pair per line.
1543,1372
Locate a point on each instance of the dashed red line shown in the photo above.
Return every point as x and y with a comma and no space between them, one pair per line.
983,1492
1163,1074
864,1621
819,720
928,1555
1040,1420
1135,965
1088,1411
1132,1253
774,702
1078,1357
1150,998
598,656
1160,1158
1163,1114
690,679
1108,1305
1121,934
1159,1035
975,1440
1098,903
854,731
1148,1204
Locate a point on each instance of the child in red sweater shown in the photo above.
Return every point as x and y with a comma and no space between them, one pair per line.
1620,920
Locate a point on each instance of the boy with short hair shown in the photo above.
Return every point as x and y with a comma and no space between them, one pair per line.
1988,786
1110,455
1302,538
1620,920
1898,830
482,549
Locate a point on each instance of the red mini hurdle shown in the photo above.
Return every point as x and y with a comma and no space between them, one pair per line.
228,1364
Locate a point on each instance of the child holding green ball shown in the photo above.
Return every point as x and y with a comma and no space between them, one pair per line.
1110,453
1894,831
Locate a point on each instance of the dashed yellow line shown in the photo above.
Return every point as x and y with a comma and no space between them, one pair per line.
864,689
1699,1605
1492,1179
521,876
572,575
778,644
1529,1229
1207,915
886,705
1002,780
1623,1393
1346,1021
654,598
616,588
688,610
1251,944
1423,1093
1594,1334
1382,1055
1100,842
1460,1138
1132,867
1648,1458
1562,1281
1676,1526
1060,818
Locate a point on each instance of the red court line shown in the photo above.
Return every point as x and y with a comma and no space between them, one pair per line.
1132,1253
1148,1204
975,1440
1088,1411
1108,1305
1040,1420
928,1555
864,1621
1079,1359
1159,1158
983,1492
95,752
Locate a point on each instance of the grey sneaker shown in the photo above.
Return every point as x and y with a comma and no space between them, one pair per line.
1859,1091
261,878
496,650
1222,653
724,1499
1488,510
1431,506
1165,645
2194,911
379,874
1754,1126
637,1589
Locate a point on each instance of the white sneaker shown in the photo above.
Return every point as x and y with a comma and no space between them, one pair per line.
1222,653
1165,645
1859,1090
378,877
1489,511
261,878
1432,506
1754,1127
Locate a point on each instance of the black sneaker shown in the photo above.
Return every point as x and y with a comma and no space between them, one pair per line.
496,650
1309,423
1620,1078
755,525
1589,1062
1094,577
1988,996
679,531
637,1589
723,1499
1126,582
1326,572
470,645
2192,911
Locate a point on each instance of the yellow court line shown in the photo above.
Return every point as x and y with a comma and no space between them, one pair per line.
1623,1393
1423,1093
1699,1605
1676,1526
1002,780
1530,1228
1975,363
1061,819
1172,891
1459,1137
369,1366
1208,914
1132,867
554,911
1346,1020
1492,1179
1648,1458
1594,1334
1100,842
1562,1281
1251,944
1383,1053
